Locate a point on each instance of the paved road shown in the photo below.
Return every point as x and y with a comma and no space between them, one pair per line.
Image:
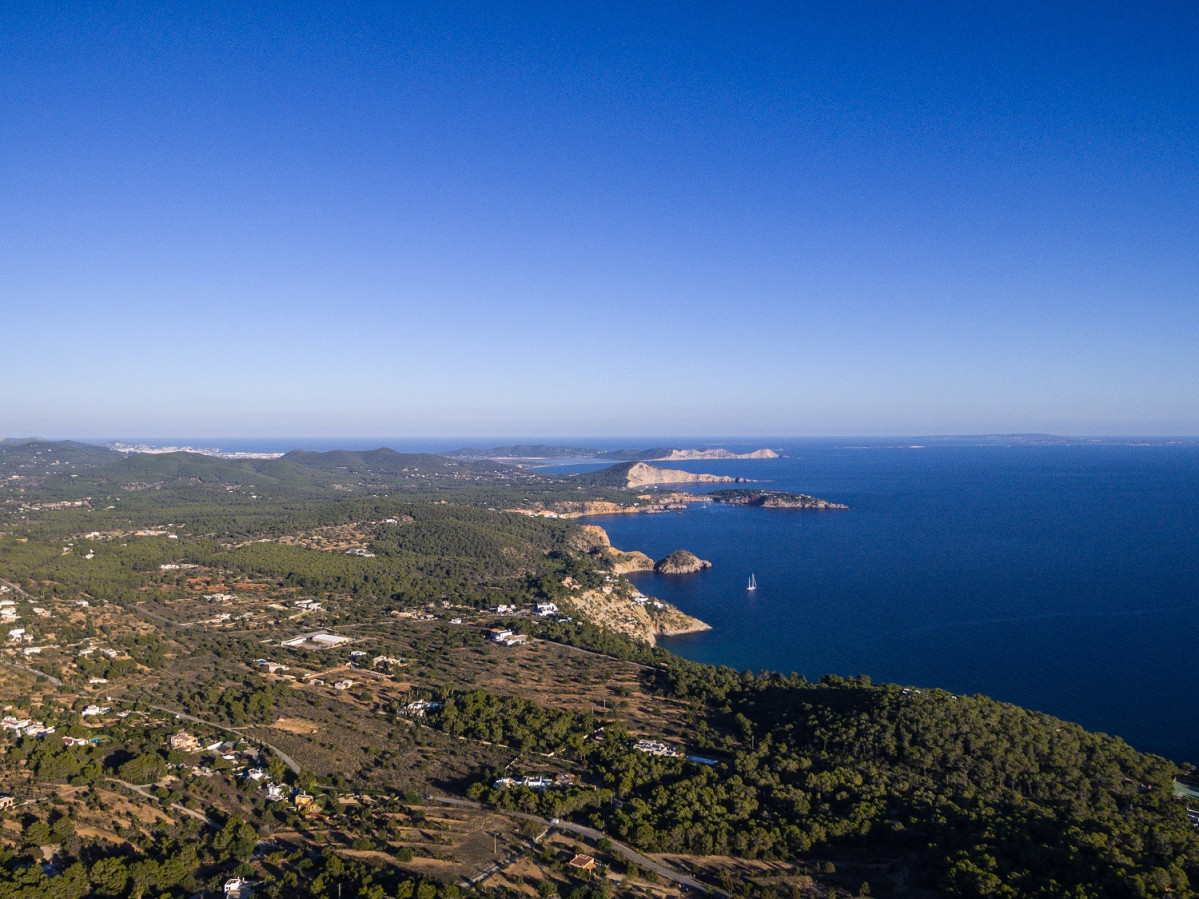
51,796
11,586
34,672
599,655
619,848
283,756
175,805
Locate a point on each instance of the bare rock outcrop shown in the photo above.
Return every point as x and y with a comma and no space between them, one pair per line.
644,620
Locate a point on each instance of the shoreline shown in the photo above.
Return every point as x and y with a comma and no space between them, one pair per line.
619,606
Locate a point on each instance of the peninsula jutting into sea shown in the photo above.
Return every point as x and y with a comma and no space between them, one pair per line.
346,666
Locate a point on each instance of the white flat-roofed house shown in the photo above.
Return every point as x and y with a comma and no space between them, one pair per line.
505,637
330,639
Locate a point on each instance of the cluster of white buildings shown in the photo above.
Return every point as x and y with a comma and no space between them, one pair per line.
25,727
534,782
419,707
653,747
104,651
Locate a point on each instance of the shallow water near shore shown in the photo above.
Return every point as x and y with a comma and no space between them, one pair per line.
1061,578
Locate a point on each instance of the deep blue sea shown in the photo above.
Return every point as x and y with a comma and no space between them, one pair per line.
1061,578
1064,578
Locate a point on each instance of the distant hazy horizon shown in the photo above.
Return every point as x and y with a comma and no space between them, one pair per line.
447,442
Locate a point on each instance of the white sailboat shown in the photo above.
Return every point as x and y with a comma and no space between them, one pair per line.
753,583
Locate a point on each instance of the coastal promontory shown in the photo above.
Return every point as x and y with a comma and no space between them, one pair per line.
772,499
639,474
689,455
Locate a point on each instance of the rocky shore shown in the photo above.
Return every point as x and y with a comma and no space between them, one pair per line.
643,620
678,501
617,607
772,499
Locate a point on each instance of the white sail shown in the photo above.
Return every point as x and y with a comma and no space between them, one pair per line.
753,583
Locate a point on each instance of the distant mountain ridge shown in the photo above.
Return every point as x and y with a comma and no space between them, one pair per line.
94,467
537,452
36,457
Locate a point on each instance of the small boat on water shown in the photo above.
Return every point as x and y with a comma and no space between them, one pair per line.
753,583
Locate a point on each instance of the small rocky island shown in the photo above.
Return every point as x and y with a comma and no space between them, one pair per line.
772,499
681,562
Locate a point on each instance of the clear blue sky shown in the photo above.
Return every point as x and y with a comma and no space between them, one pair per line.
589,218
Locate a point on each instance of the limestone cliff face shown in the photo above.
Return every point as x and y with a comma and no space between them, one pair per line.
592,537
634,560
642,475
616,605
684,455
681,562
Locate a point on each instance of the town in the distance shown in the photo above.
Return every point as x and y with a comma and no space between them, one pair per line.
387,674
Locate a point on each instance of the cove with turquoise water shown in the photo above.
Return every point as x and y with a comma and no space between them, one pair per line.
1061,578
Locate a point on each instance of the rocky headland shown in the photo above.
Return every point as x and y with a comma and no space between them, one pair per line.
691,455
595,539
642,618
641,475
617,606
772,499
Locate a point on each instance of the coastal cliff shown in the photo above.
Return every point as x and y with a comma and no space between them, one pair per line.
641,475
642,618
617,606
595,539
